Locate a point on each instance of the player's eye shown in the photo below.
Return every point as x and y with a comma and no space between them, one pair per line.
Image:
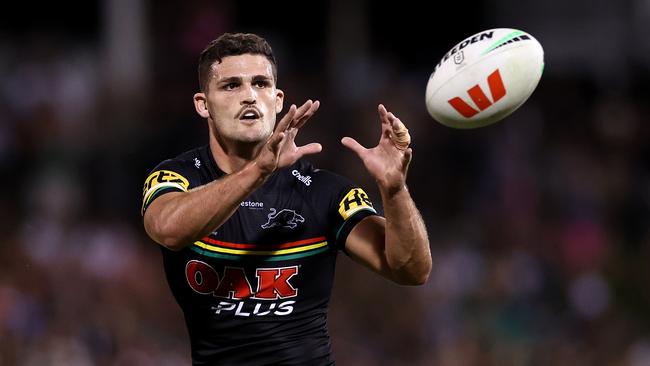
261,83
230,86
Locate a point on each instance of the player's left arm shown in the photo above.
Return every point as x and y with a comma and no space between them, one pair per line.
396,246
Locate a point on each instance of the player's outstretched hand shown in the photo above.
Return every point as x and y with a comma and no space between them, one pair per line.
281,150
388,161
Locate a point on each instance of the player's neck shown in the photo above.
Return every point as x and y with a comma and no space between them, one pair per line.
232,157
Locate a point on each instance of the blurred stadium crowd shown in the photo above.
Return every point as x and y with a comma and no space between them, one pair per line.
539,225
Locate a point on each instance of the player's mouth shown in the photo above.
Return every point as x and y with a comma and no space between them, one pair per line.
249,115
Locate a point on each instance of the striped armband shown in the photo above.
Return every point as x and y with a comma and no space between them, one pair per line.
162,181
354,201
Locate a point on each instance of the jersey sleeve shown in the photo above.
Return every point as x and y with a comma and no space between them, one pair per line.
346,203
168,176
351,206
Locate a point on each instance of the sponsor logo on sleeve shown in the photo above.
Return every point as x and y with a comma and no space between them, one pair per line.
355,200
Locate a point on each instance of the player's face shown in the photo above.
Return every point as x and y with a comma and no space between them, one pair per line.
242,100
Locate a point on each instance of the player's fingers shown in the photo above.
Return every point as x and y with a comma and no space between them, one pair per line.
353,145
275,142
397,125
286,120
399,134
304,112
395,122
408,155
302,120
312,148
386,119
301,111
391,118
383,116
290,134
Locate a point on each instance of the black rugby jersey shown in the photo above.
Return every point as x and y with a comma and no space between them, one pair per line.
256,290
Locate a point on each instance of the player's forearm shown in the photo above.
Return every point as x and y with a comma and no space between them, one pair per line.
191,215
406,242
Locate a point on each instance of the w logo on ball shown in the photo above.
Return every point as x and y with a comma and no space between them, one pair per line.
497,89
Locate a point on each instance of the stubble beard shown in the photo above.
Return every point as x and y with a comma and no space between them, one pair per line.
244,134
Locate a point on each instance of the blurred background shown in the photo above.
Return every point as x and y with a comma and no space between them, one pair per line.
539,225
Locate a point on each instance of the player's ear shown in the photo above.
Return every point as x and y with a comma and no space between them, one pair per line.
201,105
279,100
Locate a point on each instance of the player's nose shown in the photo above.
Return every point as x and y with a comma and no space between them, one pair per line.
248,95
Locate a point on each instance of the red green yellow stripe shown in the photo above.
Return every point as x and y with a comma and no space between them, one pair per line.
207,240
237,251
263,259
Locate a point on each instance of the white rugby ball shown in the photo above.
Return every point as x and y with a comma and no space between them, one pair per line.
484,78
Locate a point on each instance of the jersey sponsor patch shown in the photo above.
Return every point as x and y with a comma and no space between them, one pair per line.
160,180
246,296
355,200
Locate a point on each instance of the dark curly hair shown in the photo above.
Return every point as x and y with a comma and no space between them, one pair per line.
233,44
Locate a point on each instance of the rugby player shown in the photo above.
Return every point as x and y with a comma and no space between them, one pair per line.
250,230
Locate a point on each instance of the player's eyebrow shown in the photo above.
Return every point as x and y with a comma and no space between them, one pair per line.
231,79
238,79
261,78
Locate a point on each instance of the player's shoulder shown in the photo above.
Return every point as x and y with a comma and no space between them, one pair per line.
190,158
191,167
344,198
185,162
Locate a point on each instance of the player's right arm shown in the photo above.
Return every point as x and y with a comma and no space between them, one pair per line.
177,219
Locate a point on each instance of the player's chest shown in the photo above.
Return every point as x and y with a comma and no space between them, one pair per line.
272,216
